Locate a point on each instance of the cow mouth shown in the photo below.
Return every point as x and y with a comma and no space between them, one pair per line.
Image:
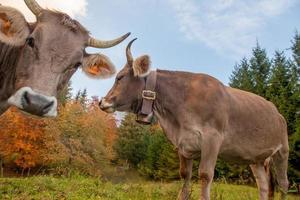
112,109
108,109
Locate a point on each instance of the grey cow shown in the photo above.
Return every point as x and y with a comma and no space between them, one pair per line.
203,118
38,59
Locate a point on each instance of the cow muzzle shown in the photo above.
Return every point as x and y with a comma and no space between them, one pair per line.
106,106
34,103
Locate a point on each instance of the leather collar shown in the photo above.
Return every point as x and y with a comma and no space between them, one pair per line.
145,115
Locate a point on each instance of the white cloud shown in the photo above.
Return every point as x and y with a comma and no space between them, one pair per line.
72,7
228,26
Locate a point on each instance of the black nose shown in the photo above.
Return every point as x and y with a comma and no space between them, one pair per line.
36,104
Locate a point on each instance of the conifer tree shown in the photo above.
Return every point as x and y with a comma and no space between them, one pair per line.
66,94
241,76
260,68
77,96
168,162
296,49
132,141
294,159
278,87
83,98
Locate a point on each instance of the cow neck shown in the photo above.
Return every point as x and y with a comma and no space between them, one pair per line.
170,95
9,56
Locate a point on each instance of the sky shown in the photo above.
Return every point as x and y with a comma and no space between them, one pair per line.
205,36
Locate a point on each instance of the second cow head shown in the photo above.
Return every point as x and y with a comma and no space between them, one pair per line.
126,93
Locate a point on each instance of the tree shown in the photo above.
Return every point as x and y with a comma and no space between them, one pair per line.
161,159
294,158
80,138
130,144
278,90
260,68
241,76
168,161
84,137
77,96
66,94
147,149
83,98
296,49
22,140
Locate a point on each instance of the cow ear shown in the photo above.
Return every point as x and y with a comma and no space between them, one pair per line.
13,27
141,66
98,66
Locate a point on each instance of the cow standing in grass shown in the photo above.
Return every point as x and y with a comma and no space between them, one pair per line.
205,119
38,59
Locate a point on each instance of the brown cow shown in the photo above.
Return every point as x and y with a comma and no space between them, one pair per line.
37,60
203,118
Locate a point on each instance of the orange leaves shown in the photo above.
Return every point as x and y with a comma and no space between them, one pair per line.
81,136
21,138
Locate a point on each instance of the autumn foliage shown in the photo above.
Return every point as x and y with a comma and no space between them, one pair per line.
22,139
80,138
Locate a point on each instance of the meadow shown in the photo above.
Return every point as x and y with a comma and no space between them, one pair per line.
80,188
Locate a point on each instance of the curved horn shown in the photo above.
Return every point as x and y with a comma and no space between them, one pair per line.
128,52
92,42
35,8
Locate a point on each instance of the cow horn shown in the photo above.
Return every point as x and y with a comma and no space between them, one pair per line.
35,8
128,52
92,42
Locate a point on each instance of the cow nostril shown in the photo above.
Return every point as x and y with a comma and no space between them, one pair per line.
48,106
26,98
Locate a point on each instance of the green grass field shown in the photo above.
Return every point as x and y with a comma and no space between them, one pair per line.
79,187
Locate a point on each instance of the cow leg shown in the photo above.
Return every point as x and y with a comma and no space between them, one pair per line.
262,180
280,164
270,177
186,167
209,153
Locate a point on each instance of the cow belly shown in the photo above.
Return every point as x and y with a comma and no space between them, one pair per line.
242,155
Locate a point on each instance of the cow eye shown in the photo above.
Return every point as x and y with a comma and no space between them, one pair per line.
30,41
77,65
119,78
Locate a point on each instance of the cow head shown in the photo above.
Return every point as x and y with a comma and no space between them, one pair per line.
52,50
126,92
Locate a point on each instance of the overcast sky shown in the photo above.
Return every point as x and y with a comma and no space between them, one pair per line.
207,36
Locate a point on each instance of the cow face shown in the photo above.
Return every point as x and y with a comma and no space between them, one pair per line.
126,92
54,49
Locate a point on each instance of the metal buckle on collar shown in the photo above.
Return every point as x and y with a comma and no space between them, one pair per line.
148,94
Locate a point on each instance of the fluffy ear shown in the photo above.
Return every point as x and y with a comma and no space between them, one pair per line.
13,27
141,66
98,66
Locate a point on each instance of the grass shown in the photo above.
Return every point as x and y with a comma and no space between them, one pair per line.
79,187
